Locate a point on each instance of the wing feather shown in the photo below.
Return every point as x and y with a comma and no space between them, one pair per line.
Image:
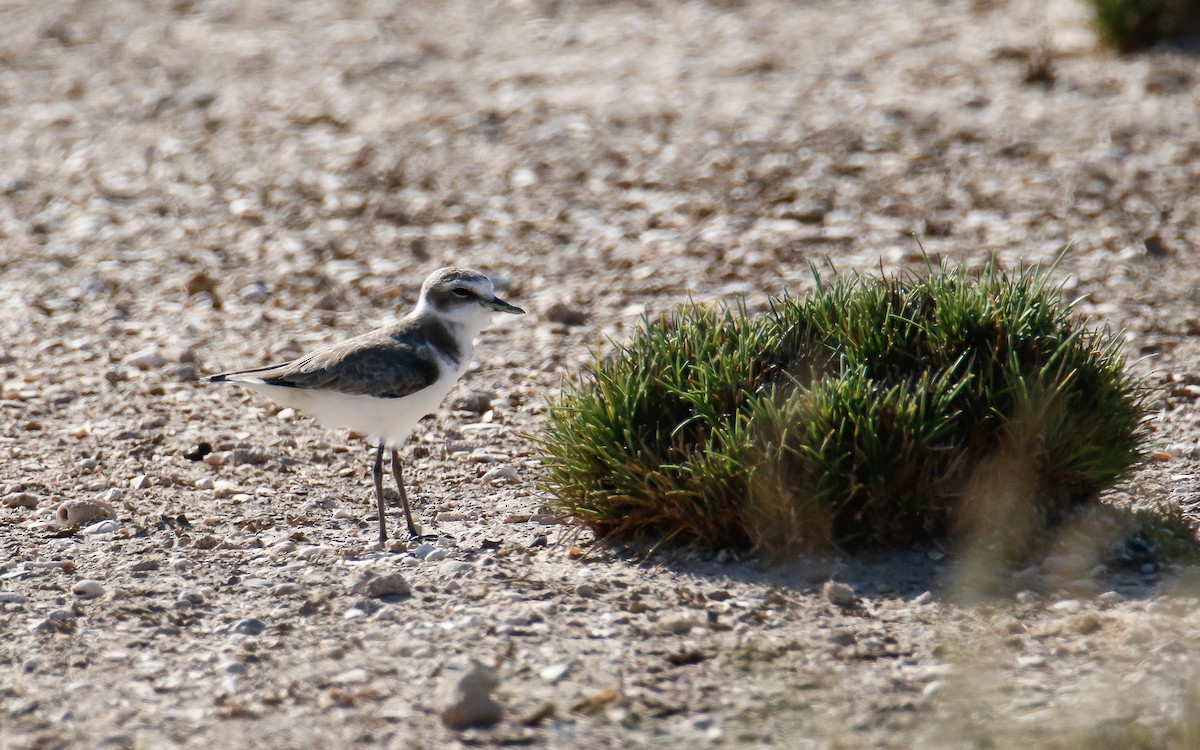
371,365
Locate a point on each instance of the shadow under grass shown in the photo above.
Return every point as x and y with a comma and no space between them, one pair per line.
1136,553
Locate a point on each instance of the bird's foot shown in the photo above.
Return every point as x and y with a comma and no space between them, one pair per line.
416,535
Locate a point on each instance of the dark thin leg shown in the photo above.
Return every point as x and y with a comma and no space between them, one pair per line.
378,473
412,529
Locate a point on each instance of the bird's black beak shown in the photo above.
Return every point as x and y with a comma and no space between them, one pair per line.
498,304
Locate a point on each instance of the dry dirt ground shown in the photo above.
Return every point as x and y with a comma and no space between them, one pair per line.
192,186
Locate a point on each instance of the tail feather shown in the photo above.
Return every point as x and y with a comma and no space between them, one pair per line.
238,375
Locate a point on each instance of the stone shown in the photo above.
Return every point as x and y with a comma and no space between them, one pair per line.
379,586
88,589
233,666
839,594
20,500
679,624
468,701
566,315
149,358
249,626
102,527
75,513
554,672
473,401
1067,606
503,474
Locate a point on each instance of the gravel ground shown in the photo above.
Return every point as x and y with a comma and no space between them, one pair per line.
194,186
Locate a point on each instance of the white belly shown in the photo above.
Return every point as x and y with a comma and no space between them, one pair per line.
388,419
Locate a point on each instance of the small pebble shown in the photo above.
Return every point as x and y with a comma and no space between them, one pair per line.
351,676
254,293
586,590
454,567
554,672
199,452
20,500
679,624
469,702
503,474
145,359
1067,606
11,597
473,401
234,667
424,551
565,315
839,594
937,687
249,626
379,586
88,589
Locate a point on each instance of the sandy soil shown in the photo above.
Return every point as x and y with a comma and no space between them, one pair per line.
192,186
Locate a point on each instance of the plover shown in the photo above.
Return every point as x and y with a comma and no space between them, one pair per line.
383,382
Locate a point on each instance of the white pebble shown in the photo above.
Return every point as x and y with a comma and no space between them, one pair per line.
146,359
424,551
234,667
88,589
554,672
1067,606
937,687
503,474
351,676
679,624
103,527
454,567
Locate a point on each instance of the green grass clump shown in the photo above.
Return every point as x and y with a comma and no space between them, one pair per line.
1131,25
861,414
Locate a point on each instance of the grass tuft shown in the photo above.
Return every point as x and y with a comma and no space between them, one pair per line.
875,411
1130,25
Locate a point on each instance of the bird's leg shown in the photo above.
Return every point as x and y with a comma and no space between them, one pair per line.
378,474
412,529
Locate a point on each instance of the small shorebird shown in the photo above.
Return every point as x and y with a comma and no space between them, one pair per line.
383,382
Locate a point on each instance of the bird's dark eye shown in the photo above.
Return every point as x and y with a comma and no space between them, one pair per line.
462,292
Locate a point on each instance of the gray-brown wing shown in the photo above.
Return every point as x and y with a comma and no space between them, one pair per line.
385,368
